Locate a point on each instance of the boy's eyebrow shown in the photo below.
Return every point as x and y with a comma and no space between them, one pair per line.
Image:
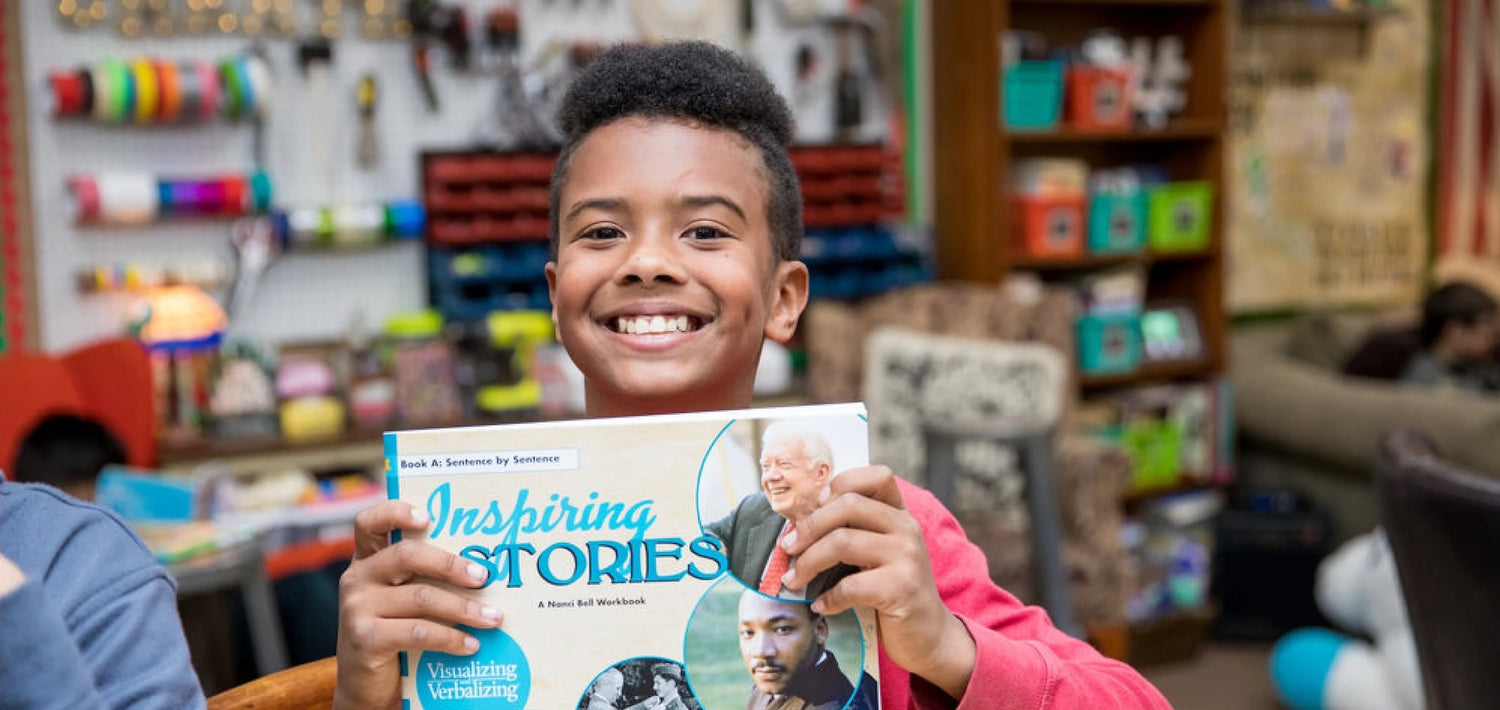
707,200
606,204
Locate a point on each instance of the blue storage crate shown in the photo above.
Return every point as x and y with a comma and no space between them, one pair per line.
469,284
1109,343
1117,223
1032,95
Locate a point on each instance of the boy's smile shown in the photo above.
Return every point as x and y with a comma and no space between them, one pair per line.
665,283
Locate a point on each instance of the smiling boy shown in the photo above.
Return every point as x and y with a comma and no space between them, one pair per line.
677,223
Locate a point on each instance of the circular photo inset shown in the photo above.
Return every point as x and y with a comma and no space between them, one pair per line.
640,684
750,650
761,475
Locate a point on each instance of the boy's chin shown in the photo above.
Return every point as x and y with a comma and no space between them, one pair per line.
663,390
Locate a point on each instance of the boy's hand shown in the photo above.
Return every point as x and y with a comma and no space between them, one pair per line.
384,608
864,523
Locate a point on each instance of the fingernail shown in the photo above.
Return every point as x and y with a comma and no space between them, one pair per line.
419,516
471,643
790,539
476,572
489,613
818,606
786,579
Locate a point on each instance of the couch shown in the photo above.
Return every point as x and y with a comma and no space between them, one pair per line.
1092,477
1304,425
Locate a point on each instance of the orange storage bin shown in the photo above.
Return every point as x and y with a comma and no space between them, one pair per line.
1050,227
1099,98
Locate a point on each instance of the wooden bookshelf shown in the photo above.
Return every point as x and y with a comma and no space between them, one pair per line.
973,151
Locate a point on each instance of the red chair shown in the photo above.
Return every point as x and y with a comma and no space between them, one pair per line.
109,381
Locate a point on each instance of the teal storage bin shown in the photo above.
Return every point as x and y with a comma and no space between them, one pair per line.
1109,343
1117,223
1181,216
1033,93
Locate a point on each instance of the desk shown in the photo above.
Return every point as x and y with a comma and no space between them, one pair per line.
243,566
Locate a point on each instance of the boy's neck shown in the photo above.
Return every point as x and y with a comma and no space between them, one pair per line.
607,404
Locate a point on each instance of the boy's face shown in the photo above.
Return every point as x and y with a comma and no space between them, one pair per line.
665,283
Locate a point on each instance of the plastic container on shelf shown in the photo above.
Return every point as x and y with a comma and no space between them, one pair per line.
1180,215
1099,98
1109,342
1032,95
1117,223
423,362
1050,226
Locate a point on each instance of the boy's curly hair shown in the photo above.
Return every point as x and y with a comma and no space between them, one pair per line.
696,83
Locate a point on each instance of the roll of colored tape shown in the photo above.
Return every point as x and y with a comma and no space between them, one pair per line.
260,191
260,84
186,196
209,89
166,200
128,198
147,90
124,106
171,91
191,85
305,226
232,98
357,225
84,191
66,94
86,82
248,100
406,219
237,198
106,89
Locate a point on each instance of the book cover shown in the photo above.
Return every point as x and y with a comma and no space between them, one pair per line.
634,561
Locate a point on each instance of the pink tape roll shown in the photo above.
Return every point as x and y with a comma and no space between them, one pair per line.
208,86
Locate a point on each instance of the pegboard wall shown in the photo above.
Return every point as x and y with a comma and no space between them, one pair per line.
310,144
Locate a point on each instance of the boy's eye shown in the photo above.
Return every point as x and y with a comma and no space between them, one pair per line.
602,233
706,233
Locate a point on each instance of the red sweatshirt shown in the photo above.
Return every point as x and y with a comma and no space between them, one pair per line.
1023,660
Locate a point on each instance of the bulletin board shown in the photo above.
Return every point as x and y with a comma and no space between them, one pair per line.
317,296
1328,155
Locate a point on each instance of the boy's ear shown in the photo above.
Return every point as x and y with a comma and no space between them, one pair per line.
789,300
551,271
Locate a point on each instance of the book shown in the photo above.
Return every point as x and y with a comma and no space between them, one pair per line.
633,559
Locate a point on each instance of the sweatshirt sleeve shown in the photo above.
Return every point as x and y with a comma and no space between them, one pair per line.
40,665
127,625
1022,661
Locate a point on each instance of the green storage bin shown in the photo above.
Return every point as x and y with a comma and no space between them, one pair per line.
1181,216
1155,449
1032,95
1117,223
1109,343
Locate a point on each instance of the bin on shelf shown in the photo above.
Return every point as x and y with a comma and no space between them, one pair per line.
1180,216
1032,95
1117,223
1098,97
1109,342
1050,227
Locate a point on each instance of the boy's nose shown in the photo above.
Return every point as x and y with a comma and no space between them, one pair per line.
653,259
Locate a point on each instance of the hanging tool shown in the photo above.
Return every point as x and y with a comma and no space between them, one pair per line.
848,110
255,248
315,57
433,23
368,155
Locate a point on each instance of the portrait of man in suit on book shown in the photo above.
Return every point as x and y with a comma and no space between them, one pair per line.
784,644
796,466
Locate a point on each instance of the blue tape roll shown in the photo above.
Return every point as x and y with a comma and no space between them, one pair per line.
407,218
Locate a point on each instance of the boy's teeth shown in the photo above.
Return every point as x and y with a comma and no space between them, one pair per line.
646,325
